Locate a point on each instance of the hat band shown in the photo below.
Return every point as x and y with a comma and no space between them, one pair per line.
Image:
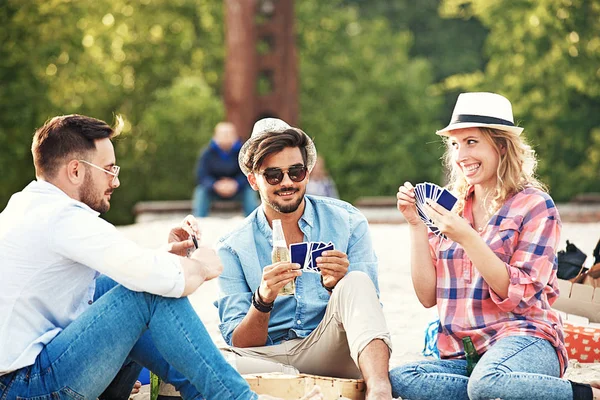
480,119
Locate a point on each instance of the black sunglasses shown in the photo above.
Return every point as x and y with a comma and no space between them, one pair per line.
274,176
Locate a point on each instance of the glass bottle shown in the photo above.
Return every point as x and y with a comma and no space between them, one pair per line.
281,253
470,354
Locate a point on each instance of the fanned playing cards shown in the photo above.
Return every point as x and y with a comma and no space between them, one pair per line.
439,195
306,254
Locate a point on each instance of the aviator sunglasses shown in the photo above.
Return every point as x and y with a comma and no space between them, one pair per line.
274,176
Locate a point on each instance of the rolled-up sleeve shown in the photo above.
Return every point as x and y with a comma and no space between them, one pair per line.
531,266
234,294
86,239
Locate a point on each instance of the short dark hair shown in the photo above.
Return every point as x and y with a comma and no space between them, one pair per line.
68,136
274,142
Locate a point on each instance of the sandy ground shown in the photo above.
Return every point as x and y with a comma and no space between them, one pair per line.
406,317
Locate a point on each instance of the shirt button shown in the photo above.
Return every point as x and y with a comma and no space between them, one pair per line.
298,322
90,302
299,297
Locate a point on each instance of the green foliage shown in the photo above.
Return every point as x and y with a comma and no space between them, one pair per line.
544,56
369,77
365,101
156,62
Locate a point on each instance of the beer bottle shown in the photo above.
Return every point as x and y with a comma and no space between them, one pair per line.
154,386
281,253
470,354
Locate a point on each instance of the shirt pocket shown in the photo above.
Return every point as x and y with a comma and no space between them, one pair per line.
504,242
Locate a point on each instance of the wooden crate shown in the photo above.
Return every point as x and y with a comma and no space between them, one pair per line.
295,386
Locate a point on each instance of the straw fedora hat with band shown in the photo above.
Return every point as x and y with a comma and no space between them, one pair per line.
482,109
266,127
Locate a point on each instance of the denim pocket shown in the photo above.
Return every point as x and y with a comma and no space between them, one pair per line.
65,393
5,384
68,393
51,396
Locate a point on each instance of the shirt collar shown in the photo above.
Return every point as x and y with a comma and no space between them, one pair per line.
39,186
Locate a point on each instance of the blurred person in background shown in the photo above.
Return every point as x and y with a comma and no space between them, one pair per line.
218,175
320,183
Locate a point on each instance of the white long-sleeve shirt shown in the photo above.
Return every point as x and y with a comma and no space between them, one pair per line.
52,248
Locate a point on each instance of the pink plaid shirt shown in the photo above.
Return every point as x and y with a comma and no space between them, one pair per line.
524,234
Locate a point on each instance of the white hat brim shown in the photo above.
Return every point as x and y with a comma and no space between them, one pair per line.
465,125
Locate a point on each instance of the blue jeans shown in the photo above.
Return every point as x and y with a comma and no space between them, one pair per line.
515,367
162,334
203,198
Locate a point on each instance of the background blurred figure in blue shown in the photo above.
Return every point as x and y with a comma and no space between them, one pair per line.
320,183
218,175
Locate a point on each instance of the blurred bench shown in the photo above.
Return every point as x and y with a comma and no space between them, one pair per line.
587,198
375,201
162,209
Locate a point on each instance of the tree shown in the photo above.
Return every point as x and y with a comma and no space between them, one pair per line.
544,56
365,100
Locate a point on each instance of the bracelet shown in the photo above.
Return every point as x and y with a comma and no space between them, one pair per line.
259,303
329,289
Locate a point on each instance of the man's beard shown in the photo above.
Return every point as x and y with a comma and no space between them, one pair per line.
87,195
284,208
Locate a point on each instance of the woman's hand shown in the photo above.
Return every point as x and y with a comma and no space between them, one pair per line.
407,204
455,227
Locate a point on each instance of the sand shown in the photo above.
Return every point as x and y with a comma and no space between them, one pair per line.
406,317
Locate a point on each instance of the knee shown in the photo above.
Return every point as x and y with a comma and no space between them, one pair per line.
356,279
485,386
403,378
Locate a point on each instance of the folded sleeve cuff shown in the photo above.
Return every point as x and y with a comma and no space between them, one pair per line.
178,278
516,290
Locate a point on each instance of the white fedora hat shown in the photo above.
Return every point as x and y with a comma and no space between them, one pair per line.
482,109
268,126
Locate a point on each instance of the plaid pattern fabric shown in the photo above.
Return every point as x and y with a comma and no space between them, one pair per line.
524,234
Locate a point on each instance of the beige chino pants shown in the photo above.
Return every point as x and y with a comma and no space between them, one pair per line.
353,319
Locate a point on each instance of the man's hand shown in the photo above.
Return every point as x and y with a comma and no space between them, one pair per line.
210,261
276,276
180,237
225,187
136,388
334,266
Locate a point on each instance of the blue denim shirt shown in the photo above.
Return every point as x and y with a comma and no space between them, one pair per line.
246,251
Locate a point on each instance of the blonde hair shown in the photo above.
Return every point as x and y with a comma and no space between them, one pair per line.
516,169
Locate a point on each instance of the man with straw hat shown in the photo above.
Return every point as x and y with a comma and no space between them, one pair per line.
333,324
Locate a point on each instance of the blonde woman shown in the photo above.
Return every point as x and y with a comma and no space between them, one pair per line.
494,279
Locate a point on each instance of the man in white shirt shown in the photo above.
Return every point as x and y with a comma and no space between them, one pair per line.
60,334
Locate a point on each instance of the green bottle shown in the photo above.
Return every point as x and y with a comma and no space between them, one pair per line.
154,385
470,354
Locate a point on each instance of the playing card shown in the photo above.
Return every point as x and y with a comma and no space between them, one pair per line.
316,254
430,191
298,253
446,200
